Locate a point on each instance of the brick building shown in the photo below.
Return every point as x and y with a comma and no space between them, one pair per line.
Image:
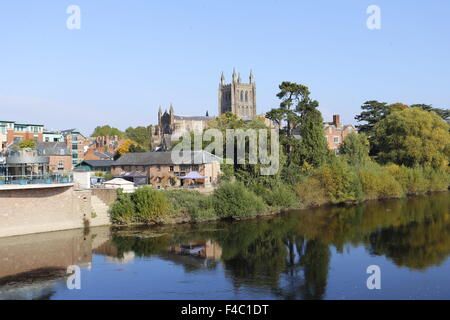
335,132
60,158
159,168
11,131
77,144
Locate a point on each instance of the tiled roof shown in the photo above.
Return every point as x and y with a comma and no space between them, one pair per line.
52,149
104,155
97,163
150,158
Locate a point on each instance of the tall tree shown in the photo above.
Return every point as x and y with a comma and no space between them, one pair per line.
443,113
298,117
413,137
141,135
355,148
107,131
373,111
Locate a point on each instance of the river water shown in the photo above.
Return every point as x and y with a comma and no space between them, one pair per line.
321,253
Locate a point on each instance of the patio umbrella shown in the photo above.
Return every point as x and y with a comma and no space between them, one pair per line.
193,175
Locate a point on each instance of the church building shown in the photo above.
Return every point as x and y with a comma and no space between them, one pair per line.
238,97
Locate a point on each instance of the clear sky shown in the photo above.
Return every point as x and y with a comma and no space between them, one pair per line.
129,57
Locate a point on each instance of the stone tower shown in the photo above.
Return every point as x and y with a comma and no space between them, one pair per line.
237,97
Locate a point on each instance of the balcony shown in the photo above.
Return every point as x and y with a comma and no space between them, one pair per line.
35,181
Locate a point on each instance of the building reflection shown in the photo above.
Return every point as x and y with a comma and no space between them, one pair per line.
31,265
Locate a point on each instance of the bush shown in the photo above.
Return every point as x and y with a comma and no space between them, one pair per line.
378,183
151,205
123,210
278,196
311,192
198,205
439,180
233,200
340,181
419,180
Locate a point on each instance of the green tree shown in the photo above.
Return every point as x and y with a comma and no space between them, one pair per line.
443,113
298,115
142,135
355,148
413,137
373,111
28,143
107,131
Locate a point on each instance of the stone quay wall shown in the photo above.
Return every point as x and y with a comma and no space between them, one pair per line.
35,210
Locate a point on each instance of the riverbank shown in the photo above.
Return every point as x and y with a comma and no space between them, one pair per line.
334,184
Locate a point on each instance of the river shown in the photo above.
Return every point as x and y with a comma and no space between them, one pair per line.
320,253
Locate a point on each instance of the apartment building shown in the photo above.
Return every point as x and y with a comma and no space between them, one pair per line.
11,131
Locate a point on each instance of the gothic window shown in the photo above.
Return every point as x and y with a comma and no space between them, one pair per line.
242,95
246,96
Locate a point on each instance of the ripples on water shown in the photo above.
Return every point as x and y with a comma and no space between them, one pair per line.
320,253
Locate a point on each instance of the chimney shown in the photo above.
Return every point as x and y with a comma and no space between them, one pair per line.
336,120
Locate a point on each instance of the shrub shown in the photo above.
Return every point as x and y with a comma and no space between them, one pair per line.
439,180
378,183
419,180
340,182
204,210
311,192
279,196
199,206
123,209
233,200
151,205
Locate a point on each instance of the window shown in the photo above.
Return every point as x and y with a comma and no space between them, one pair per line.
171,168
158,179
246,96
158,168
336,139
60,165
242,95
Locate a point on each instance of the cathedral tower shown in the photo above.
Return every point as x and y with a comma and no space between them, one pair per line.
237,97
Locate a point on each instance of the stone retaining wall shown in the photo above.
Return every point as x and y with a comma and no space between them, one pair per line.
25,211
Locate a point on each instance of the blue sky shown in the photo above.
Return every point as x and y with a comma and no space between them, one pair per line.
129,57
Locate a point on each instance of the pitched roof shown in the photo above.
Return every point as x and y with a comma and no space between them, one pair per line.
104,155
199,118
97,163
151,158
52,149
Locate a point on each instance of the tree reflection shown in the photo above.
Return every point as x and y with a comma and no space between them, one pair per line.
290,254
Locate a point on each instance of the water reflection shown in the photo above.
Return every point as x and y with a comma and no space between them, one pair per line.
31,264
286,257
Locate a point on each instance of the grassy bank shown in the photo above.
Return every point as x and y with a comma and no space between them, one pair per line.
332,183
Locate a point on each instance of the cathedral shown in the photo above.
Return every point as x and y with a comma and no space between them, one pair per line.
238,97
